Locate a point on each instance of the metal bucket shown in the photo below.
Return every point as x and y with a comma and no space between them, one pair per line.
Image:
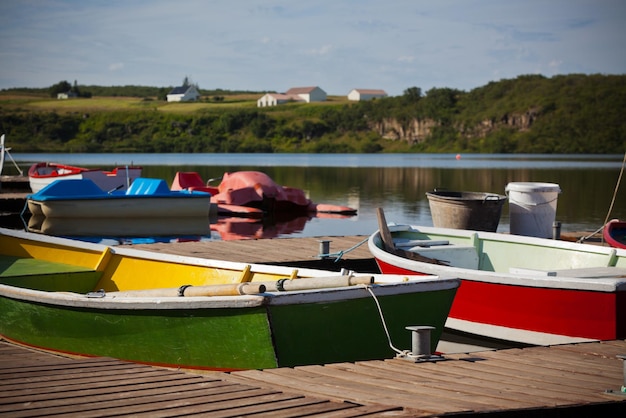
466,210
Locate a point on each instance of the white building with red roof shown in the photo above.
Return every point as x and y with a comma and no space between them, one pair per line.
295,94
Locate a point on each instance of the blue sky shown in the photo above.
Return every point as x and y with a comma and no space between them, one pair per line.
272,45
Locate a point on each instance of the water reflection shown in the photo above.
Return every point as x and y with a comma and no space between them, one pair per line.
119,227
128,231
398,183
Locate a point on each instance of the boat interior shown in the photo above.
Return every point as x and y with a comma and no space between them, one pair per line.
512,254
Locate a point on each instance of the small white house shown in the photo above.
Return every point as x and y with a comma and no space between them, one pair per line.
274,99
366,94
67,95
308,94
183,94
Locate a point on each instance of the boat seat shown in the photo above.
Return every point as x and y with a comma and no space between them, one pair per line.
148,186
419,243
462,256
31,273
584,273
187,180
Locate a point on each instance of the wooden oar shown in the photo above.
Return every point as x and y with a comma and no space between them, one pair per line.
189,291
390,247
309,283
249,288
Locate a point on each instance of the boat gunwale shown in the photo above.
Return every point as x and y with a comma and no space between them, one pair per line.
384,284
325,295
597,284
32,170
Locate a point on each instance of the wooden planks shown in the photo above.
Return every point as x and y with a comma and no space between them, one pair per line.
531,379
349,252
35,384
264,250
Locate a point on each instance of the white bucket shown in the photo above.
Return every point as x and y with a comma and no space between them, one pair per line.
532,208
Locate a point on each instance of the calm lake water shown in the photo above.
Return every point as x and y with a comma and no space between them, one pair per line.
395,182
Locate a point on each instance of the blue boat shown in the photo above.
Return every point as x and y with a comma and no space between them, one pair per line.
145,198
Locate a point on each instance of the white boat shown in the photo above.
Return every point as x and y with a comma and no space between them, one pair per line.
145,198
515,288
42,174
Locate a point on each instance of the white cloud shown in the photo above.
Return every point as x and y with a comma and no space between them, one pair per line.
406,58
323,50
554,65
116,66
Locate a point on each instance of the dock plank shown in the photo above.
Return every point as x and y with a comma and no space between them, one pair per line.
43,384
348,390
510,379
373,379
484,382
494,395
348,252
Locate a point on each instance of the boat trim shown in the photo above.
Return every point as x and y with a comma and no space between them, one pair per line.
482,330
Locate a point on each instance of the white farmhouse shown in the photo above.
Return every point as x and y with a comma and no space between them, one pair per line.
274,99
308,94
295,94
183,94
366,94
67,95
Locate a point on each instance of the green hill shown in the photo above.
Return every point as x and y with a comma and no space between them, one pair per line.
529,114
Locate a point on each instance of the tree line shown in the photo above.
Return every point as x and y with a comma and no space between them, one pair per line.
529,114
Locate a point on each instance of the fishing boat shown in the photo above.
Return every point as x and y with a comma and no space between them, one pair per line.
90,299
514,288
119,178
255,189
614,233
145,198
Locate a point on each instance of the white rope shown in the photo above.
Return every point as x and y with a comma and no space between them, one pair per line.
619,179
382,319
608,215
583,239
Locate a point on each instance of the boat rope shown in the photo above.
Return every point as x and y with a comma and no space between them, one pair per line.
340,254
619,179
608,215
585,238
382,319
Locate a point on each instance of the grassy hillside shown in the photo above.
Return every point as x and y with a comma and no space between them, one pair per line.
535,114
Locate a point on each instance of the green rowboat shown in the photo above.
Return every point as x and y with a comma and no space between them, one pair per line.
88,299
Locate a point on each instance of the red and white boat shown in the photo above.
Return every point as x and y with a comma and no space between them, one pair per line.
515,288
44,173
241,191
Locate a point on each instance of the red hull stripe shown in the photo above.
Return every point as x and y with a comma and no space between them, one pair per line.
574,313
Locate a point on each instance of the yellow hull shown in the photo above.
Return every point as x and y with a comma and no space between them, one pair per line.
119,266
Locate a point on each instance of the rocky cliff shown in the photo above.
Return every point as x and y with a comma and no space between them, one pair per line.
418,130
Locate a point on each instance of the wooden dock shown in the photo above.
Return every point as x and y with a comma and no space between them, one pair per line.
349,252
568,380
